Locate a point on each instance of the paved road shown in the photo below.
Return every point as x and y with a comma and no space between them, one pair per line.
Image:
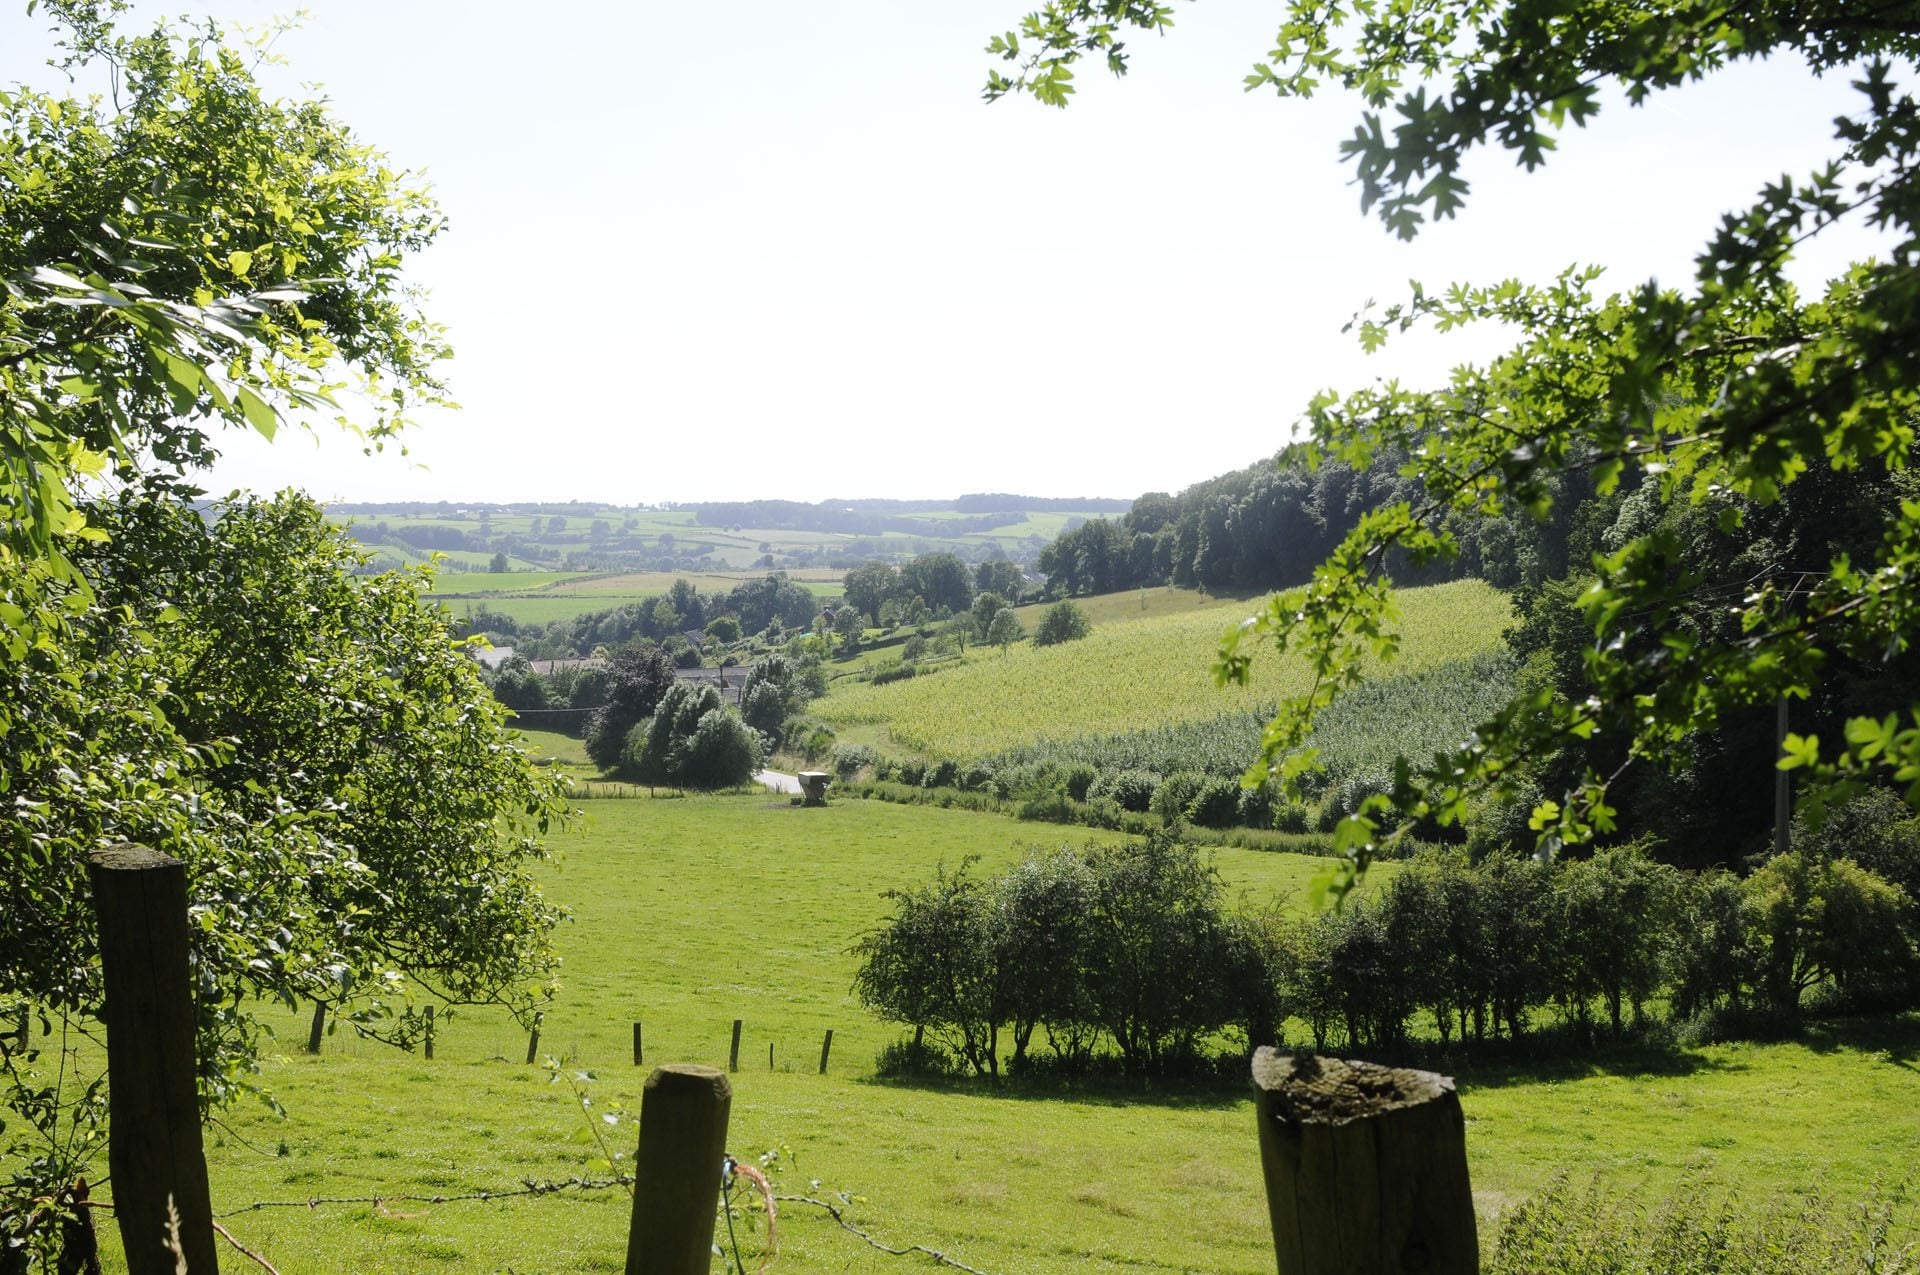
778,781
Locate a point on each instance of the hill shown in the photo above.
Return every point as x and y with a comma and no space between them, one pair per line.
1130,674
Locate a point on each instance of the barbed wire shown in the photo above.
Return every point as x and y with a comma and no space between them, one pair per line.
553,1186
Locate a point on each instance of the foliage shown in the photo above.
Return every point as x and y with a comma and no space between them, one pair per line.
1700,1231
693,740
1063,622
1005,629
1129,943
638,675
329,765
1720,396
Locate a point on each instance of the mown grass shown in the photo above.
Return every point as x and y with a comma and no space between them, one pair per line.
1130,676
690,912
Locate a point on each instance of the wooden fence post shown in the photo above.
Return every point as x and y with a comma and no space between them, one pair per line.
1366,1168
733,1055
319,1027
826,1047
676,1188
429,1033
153,1131
533,1037
638,1053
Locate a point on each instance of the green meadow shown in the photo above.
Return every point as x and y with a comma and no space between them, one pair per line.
691,912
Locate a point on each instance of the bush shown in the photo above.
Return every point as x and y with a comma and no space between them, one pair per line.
910,771
1215,805
915,647
1077,779
1293,817
1132,789
1175,793
914,1058
976,777
1102,812
1052,806
693,740
850,759
942,774
1256,807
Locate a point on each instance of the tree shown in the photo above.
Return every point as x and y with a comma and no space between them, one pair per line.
849,628
939,580
497,564
638,675
1005,629
1722,394
985,607
181,257
1063,622
869,585
693,740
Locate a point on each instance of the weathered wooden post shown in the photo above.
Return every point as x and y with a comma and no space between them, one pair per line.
826,1047
319,1027
733,1054
533,1037
429,1034
153,1134
676,1187
638,1053
769,1055
1366,1168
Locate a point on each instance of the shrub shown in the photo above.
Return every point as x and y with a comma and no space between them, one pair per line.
1052,806
1077,779
850,759
976,777
942,774
693,740
1102,812
914,648
1175,793
914,1058
894,673
910,771
1292,816
1256,807
1132,789
1215,805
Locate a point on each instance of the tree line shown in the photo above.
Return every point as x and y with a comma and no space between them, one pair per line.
1131,954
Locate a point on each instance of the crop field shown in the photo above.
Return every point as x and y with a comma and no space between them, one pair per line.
1414,714
691,912
1132,676
540,597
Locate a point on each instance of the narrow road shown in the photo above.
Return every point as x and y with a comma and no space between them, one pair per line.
778,781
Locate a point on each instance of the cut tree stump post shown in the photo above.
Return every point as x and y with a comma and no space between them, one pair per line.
733,1055
319,1028
533,1037
638,1053
676,1187
153,1129
429,1034
826,1047
1366,1168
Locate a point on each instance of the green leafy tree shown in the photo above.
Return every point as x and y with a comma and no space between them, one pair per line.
1722,394
1005,629
869,585
985,607
849,627
1063,622
692,740
497,564
638,675
930,967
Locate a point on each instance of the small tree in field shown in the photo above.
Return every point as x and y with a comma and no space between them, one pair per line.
1063,622
1005,630
693,740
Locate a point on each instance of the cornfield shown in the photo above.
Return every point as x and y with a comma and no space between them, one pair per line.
1136,676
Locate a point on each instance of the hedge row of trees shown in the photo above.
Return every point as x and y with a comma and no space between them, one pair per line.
1130,950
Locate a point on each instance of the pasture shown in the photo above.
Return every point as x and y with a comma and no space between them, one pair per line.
690,912
1130,675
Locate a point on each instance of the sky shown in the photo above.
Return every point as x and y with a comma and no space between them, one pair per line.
784,251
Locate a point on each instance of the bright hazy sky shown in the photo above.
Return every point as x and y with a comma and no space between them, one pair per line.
783,250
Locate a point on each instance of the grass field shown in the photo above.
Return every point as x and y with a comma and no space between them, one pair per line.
691,912
541,597
1131,674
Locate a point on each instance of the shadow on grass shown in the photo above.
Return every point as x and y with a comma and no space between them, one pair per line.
1895,1036
1547,1056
